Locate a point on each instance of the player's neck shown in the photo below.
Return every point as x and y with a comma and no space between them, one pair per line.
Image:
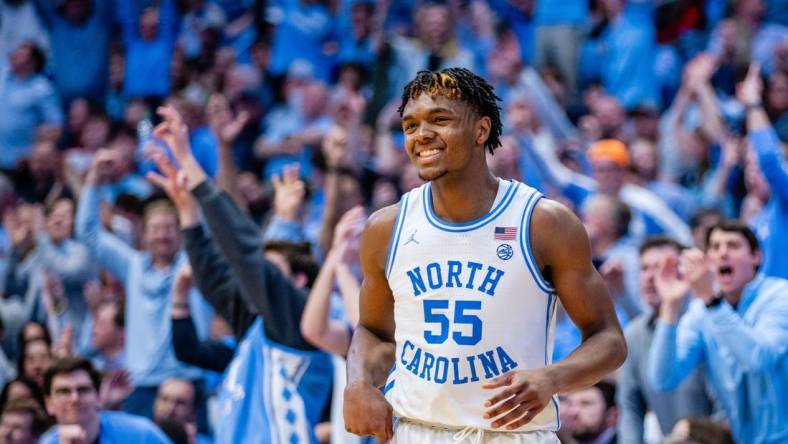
464,198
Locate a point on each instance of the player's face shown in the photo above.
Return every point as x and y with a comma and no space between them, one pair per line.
439,135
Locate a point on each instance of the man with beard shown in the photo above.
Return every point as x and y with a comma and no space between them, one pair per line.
593,414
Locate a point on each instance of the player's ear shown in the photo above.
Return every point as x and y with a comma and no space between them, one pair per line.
483,126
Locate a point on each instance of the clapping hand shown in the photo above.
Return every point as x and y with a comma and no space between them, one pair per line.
699,70
672,288
696,269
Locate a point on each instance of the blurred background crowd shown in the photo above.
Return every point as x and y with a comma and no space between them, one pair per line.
653,120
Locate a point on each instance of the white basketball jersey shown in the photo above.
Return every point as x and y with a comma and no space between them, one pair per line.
470,304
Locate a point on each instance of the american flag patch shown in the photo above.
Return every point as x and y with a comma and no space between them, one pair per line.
505,233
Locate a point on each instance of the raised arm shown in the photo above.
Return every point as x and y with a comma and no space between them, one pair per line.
698,75
372,349
212,275
289,192
226,128
763,138
562,250
106,248
676,349
334,148
316,325
210,355
262,285
20,233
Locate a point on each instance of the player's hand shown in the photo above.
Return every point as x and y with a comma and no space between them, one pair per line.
367,412
526,393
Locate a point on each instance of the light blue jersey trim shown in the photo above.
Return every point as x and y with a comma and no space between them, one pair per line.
525,243
548,315
389,386
552,301
462,227
396,233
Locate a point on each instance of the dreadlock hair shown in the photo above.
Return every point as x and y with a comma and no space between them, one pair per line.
459,84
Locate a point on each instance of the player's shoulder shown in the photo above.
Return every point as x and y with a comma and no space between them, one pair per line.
377,233
554,216
553,227
382,221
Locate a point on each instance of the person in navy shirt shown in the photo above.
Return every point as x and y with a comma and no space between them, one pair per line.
72,397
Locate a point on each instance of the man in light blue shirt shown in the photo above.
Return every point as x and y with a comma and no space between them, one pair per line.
29,101
72,397
740,332
147,277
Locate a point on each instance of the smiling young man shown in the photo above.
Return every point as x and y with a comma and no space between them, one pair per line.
737,326
460,285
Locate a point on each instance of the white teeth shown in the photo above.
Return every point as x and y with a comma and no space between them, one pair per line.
428,153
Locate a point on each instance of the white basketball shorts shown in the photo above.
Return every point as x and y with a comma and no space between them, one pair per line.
410,432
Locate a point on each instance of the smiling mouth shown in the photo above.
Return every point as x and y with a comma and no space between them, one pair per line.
425,154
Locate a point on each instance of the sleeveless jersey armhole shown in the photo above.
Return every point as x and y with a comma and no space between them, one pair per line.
525,243
396,233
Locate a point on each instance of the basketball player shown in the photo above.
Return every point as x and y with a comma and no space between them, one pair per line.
461,280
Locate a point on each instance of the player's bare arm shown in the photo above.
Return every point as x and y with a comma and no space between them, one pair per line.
562,251
371,352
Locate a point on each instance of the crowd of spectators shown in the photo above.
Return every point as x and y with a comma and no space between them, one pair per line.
183,184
